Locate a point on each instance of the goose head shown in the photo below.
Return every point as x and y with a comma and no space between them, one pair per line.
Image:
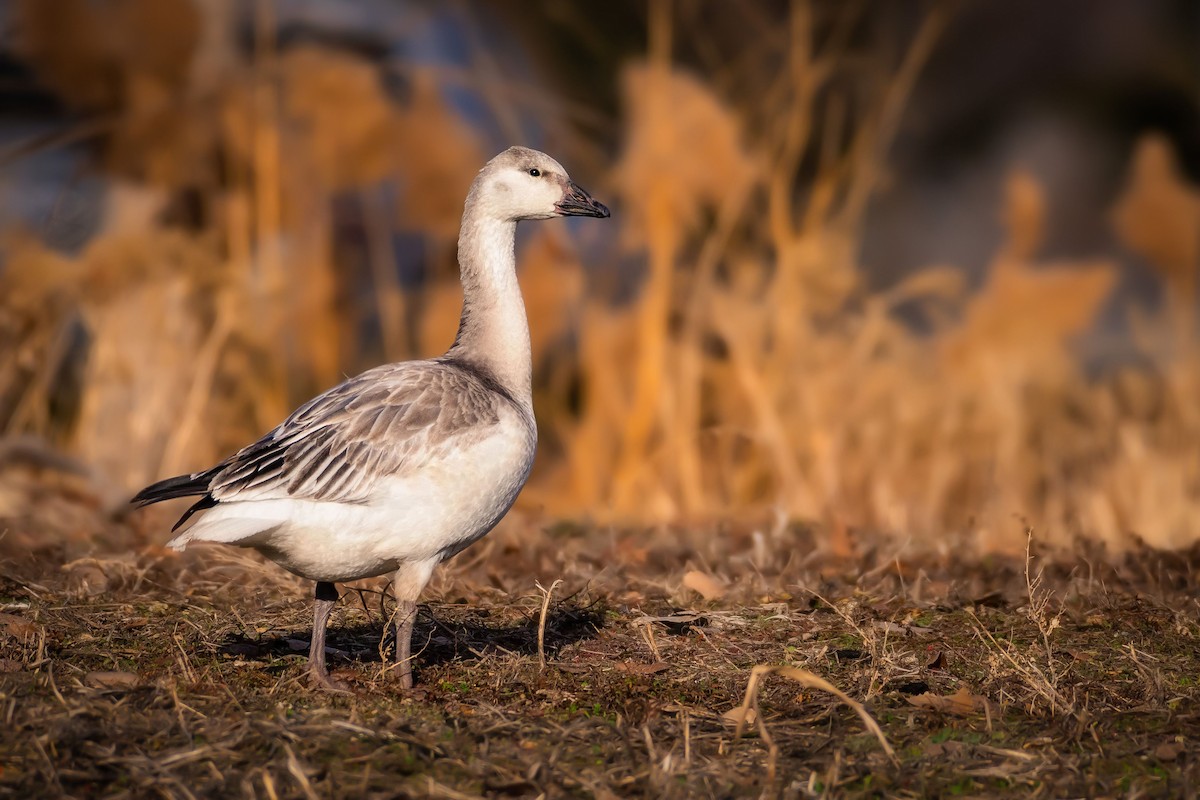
521,183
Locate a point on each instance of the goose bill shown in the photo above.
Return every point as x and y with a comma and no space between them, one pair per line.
578,203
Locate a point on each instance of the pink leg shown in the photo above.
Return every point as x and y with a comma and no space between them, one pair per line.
326,599
409,581
406,616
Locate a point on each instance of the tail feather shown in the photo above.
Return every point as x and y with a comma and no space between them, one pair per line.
169,489
180,486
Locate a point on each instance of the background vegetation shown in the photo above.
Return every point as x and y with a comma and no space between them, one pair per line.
280,202
869,457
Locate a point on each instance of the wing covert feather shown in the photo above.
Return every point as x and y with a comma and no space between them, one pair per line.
386,422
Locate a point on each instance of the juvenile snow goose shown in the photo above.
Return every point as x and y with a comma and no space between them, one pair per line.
404,466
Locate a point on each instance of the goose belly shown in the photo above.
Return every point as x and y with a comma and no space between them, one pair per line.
423,516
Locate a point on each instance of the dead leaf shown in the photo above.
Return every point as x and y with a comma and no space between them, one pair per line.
962,703
704,584
111,680
576,669
1168,751
17,627
635,668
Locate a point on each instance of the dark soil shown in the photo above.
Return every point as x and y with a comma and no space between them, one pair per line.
140,673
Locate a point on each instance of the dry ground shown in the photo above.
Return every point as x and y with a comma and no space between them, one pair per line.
139,673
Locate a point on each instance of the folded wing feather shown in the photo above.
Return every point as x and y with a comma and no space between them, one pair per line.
384,423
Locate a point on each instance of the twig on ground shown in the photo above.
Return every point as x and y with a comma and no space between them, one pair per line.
1044,682
1034,677
810,681
1039,602
547,593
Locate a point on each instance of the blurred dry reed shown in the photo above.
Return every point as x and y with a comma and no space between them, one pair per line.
754,372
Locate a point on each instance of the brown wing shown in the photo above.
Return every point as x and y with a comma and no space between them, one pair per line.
386,422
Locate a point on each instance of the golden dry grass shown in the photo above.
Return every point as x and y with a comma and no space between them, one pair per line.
753,373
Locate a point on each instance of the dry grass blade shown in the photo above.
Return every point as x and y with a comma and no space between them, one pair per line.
297,771
1032,674
435,789
547,594
962,703
809,681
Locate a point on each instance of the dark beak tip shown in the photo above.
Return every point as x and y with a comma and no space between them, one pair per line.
578,203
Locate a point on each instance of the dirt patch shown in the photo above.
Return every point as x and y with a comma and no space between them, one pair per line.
142,673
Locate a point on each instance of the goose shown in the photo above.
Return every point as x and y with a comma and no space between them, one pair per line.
406,465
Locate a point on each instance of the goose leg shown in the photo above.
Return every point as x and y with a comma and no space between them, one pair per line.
326,597
408,583
406,616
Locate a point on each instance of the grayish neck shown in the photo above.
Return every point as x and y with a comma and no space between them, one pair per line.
493,332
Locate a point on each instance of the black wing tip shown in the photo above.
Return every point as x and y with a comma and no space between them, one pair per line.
171,488
206,502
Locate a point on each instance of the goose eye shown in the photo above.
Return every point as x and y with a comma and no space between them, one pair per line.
535,172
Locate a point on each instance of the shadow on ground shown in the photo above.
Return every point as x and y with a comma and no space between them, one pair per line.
438,638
